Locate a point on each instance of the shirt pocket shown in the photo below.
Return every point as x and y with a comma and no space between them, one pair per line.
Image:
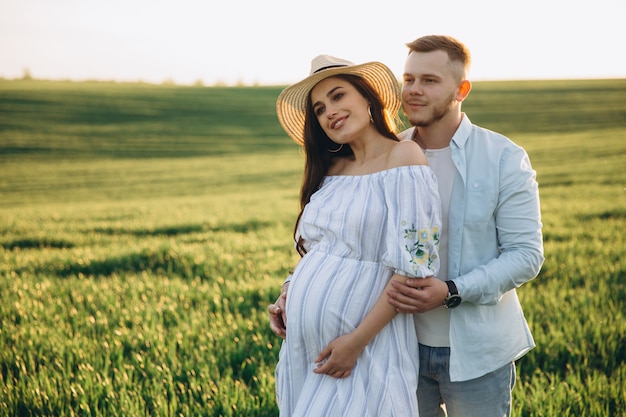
482,200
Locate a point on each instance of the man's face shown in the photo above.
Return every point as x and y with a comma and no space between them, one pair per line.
429,88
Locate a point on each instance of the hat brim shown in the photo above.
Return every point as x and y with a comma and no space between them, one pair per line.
292,101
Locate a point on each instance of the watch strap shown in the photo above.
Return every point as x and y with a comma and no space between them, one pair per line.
452,290
453,299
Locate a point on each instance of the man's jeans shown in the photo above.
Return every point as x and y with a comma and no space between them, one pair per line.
486,396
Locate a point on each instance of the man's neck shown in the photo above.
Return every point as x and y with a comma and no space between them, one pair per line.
438,135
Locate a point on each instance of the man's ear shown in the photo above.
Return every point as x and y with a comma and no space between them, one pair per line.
464,90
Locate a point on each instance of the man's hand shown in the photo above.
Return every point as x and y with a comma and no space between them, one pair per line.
418,295
278,317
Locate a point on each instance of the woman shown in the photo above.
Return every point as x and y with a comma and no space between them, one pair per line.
370,214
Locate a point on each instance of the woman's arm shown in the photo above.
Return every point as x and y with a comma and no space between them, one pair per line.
339,357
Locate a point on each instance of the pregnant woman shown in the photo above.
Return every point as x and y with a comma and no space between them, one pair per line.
370,214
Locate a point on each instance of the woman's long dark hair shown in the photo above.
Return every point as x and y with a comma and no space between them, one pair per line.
318,146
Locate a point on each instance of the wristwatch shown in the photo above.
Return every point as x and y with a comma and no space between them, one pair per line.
453,299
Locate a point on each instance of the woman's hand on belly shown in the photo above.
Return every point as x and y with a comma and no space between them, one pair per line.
339,357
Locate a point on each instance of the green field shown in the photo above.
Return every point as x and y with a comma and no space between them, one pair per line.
144,229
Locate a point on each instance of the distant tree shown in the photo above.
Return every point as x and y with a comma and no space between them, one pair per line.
27,75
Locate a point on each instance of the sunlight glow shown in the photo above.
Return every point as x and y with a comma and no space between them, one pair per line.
250,42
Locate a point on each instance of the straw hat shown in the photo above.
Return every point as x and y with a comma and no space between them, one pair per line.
292,101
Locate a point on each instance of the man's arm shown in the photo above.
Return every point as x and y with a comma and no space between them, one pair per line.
278,317
519,243
518,224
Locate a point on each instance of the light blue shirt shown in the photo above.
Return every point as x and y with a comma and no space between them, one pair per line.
495,245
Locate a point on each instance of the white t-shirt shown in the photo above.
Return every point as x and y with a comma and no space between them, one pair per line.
433,327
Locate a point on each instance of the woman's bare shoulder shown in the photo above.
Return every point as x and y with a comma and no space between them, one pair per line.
406,153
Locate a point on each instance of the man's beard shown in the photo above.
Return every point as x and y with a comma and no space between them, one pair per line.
438,112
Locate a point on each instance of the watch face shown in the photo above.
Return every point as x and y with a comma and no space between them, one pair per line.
453,301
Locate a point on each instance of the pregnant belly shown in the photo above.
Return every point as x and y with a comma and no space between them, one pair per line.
329,296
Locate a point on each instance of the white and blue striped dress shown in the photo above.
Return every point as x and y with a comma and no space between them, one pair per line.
358,231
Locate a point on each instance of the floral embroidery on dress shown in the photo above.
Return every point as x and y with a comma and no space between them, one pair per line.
421,250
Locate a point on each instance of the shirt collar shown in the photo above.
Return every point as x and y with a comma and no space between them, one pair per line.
462,133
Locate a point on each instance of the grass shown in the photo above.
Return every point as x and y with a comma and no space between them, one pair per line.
144,229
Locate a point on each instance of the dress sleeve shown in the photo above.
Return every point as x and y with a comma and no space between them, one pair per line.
414,221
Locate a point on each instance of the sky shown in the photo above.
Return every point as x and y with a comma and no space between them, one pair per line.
272,42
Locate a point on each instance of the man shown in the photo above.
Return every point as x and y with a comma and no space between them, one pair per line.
468,321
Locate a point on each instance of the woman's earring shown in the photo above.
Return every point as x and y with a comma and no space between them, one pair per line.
335,150
369,111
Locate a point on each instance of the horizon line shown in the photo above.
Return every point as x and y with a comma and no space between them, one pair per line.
202,83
